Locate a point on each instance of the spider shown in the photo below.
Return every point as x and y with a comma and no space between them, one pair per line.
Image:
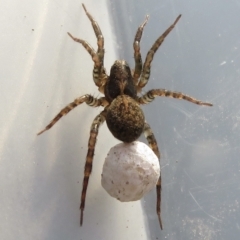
122,113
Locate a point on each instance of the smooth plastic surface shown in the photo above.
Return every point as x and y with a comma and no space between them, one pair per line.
42,70
200,146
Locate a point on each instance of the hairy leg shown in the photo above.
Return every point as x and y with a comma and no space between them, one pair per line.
99,36
88,99
89,159
137,53
150,96
99,74
147,64
153,144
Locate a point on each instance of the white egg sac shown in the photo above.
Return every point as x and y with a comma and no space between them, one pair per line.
130,171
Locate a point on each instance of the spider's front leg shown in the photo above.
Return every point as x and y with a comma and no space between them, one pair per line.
147,64
88,99
98,33
89,159
150,96
153,144
99,75
137,53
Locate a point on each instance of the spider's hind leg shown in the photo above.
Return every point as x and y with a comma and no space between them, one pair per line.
99,74
99,119
153,144
147,64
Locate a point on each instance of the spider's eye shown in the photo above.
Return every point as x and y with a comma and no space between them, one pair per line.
120,69
120,81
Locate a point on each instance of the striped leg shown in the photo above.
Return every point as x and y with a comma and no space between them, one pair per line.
153,144
88,164
147,64
150,96
137,53
88,99
99,74
99,36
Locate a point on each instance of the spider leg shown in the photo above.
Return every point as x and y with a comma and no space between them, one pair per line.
99,36
137,53
99,74
88,99
150,96
99,119
147,64
153,144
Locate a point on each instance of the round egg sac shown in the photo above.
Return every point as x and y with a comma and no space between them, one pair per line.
130,171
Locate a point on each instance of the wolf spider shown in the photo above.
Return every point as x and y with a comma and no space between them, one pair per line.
124,117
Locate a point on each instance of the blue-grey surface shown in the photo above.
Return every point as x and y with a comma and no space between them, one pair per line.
199,145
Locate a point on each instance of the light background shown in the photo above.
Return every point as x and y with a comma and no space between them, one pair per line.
42,70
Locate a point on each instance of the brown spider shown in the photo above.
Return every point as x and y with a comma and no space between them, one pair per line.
125,119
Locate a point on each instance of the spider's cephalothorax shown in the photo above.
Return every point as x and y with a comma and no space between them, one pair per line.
120,82
125,118
122,111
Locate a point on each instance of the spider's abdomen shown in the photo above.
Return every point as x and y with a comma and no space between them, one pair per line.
125,119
